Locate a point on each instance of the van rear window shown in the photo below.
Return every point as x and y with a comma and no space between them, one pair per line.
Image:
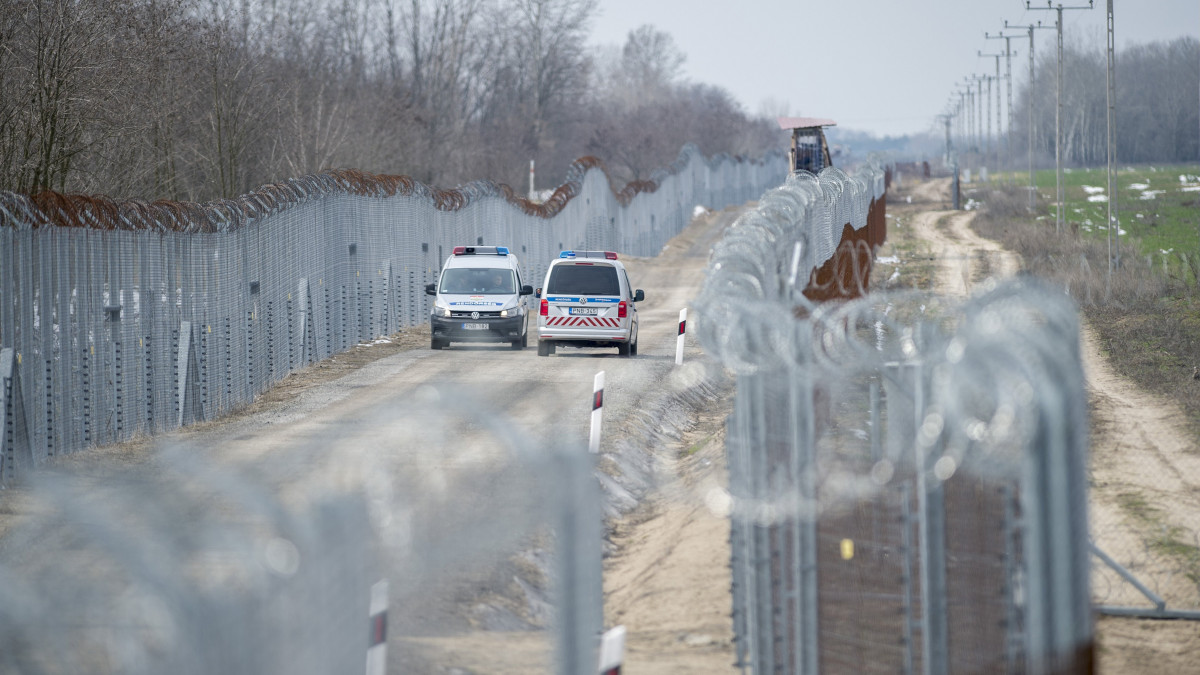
584,280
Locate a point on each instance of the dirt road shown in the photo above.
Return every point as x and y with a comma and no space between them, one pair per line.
1145,470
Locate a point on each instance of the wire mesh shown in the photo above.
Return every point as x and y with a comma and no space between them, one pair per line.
251,562
907,471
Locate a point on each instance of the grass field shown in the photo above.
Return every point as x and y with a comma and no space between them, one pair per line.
1158,205
1148,321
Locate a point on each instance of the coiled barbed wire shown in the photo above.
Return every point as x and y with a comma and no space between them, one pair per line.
224,215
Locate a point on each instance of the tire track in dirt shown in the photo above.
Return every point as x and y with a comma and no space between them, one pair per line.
1145,469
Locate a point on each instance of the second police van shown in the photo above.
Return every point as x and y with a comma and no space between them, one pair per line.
587,301
479,298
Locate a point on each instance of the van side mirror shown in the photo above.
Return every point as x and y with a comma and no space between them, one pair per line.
537,293
430,289
527,290
638,295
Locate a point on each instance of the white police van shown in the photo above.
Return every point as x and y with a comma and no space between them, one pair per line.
478,298
587,301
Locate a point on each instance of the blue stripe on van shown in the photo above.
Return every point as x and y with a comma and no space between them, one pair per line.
590,300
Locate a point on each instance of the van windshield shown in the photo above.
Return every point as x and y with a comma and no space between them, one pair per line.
584,280
478,281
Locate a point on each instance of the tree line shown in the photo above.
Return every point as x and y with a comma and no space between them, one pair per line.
202,99
1157,111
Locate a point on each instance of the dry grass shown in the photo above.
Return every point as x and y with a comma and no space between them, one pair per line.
1148,322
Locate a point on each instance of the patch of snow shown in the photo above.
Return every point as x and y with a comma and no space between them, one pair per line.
889,260
1093,189
895,276
1140,215
699,210
1098,198
1139,186
1190,188
1121,231
1152,194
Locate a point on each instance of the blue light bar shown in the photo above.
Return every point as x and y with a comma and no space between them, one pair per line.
501,250
567,254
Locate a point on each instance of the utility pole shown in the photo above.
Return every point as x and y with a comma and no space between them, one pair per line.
972,129
980,102
1114,223
1060,215
999,132
1032,90
1008,54
951,160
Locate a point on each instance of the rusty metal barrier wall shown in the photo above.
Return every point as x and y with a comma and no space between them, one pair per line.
131,317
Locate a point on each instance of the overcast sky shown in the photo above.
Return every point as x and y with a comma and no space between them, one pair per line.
886,66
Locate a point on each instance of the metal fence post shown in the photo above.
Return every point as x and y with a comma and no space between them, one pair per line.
906,521
305,301
739,542
1012,583
15,447
190,410
763,615
85,386
932,526
804,458
580,583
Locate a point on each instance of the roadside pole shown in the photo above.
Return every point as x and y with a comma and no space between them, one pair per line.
679,340
597,412
377,641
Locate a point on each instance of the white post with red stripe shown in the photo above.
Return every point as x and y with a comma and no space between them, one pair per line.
612,651
377,643
679,340
597,411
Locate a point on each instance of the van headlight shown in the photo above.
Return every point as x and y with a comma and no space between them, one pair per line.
441,311
511,311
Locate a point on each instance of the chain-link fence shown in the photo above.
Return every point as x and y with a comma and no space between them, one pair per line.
125,317
908,474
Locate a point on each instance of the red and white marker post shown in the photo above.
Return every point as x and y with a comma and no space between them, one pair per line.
597,412
679,340
612,651
377,643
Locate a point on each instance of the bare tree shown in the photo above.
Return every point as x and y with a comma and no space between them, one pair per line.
64,68
650,60
243,92
551,59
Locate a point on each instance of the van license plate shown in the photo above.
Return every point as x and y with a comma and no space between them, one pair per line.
585,310
475,326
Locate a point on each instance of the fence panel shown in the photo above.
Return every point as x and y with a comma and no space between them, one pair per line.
93,293
908,474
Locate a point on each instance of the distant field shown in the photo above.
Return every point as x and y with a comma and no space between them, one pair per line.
1158,205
